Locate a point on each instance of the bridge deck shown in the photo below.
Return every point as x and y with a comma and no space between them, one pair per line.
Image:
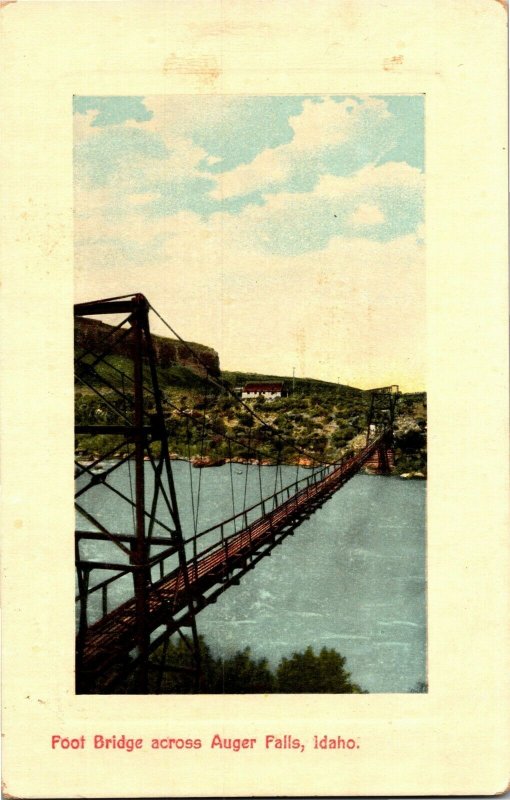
109,641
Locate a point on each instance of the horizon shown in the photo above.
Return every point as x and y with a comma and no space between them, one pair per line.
280,375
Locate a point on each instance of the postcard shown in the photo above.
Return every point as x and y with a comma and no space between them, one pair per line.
255,381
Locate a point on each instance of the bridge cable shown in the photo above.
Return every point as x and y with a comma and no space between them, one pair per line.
130,483
103,398
202,448
225,436
117,491
115,329
230,391
276,479
247,470
260,485
232,486
125,375
190,468
93,464
108,299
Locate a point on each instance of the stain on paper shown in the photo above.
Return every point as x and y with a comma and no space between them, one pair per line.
203,67
393,63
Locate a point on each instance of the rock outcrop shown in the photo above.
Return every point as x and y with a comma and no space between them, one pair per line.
89,334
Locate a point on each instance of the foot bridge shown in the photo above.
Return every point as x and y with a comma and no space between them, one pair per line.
158,575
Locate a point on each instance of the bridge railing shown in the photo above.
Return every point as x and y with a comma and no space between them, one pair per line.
260,508
223,534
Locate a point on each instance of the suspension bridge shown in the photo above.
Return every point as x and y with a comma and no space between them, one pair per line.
173,576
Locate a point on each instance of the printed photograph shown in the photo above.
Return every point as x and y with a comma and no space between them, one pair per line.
250,395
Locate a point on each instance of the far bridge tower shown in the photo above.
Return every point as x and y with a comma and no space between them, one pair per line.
380,419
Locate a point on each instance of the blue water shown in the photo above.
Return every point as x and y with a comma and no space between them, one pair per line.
352,578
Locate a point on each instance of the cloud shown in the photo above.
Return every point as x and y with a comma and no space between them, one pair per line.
386,201
135,167
290,198
83,127
134,155
142,199
211,160
389,174
328,136
329,123
381,203
366,214
112,110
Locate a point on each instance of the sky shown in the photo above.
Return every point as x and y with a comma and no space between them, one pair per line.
284,231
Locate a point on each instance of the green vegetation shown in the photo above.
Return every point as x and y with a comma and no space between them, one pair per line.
243,674
206,421
411,435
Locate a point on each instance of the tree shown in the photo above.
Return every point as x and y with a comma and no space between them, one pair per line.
307,672
410,438
241,674
420,687
177,654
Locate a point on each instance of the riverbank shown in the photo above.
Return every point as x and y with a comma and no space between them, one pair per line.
207,462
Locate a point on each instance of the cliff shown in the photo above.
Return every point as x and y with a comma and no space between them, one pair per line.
89,334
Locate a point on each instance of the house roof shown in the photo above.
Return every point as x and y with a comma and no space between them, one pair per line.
263,387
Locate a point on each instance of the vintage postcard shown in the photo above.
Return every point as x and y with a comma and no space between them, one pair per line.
256,300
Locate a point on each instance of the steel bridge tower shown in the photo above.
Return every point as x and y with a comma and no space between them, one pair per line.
134,415
381,418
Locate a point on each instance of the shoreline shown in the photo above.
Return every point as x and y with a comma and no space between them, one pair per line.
208,462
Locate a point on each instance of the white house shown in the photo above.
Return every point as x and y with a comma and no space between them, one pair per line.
270,391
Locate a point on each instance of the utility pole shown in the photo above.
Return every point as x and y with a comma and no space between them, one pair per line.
293,380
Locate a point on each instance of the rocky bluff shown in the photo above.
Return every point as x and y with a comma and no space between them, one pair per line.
89,334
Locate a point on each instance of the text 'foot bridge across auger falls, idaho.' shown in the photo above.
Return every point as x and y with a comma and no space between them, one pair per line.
167,576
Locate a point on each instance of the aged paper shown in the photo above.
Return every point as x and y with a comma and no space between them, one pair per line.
451,740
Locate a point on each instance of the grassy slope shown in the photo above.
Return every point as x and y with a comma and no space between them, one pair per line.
324,419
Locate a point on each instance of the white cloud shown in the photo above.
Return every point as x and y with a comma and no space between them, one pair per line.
133,171
319,128
295,221
182,163
329,123
397,174
82,126
366,214
267,170
177,116
142,198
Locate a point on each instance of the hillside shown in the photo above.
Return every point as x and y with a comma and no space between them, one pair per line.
292,385
207,422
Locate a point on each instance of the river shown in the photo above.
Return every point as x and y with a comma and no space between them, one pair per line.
352,578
